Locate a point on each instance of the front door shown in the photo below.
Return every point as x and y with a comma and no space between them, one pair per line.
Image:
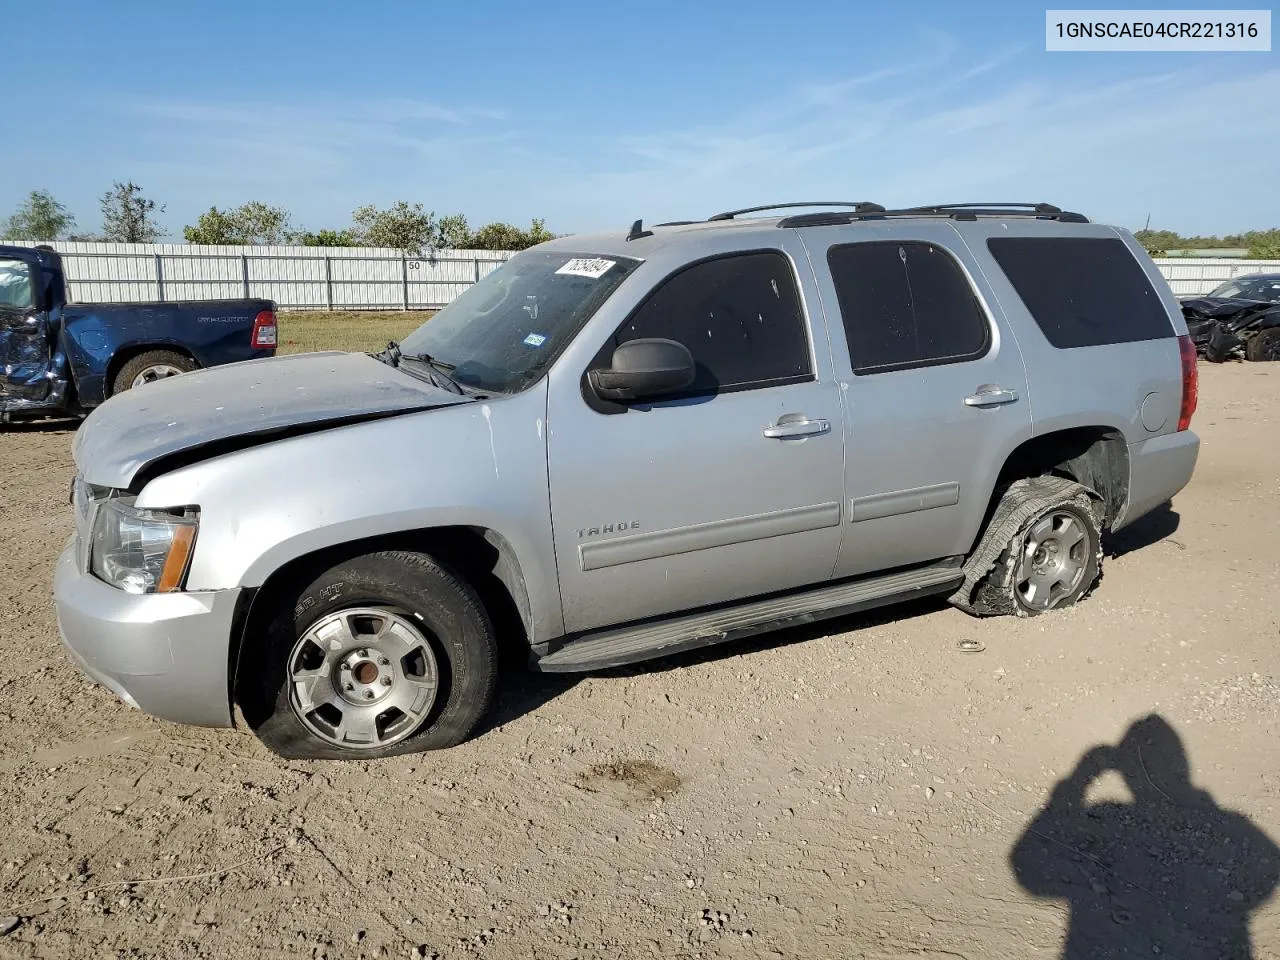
24,334
937,390
728,491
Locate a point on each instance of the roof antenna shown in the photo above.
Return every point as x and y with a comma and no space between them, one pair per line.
638,231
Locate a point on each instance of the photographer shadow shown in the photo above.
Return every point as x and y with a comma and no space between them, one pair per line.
1170,874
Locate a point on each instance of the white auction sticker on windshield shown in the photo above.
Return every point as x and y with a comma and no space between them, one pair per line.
593,267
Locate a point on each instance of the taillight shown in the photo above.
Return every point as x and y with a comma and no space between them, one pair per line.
1190,382
264,331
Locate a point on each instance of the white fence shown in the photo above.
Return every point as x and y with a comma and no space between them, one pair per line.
296,278
1199,276
368,278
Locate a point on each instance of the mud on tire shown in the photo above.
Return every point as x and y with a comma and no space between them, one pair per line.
1041,551
396,627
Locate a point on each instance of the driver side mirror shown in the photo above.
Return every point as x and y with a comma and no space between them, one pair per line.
644,369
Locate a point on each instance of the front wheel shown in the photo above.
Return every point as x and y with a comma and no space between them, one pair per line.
385,654
1265,345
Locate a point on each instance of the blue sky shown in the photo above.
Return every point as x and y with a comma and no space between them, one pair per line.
592,114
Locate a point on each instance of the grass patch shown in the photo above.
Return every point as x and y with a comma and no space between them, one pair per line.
307,331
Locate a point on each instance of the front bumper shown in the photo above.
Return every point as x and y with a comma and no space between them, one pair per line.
165,654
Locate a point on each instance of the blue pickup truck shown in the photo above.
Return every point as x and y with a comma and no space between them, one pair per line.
62,359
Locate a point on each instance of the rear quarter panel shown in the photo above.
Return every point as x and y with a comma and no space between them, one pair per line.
212,331
1118,386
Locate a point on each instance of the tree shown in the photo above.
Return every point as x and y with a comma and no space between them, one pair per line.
404,227
261,223
1263,244
453,233
211,227
128,216
505,236
1158,242
325,238
250,223
39,217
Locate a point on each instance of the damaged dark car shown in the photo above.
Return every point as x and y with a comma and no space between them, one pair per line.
1239,318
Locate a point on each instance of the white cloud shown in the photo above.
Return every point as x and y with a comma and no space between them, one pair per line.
1161,142
1193,147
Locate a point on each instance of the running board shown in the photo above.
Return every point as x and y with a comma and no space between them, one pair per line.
616,646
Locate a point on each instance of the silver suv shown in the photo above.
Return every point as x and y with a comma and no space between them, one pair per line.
623,445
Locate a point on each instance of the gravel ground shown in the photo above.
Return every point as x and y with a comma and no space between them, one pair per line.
851,790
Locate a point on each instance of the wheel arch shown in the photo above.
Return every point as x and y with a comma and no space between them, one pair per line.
1096,456
481,556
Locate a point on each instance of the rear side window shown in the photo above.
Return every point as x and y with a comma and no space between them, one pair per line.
1082,291
739,316
905,304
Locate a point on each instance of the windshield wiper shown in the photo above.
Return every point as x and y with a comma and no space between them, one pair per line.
391,355
440,365
436,372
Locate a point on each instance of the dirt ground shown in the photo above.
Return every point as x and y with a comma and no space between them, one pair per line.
850,790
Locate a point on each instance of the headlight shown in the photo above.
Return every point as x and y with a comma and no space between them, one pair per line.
142,551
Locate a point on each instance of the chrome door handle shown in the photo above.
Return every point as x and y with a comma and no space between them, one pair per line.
796,428
989,395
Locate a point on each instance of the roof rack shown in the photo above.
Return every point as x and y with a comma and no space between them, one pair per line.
857,205
954,211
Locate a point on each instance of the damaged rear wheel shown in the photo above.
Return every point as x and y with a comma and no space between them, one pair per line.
1041,551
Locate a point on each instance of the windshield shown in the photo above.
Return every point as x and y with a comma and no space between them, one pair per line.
503,333
15,285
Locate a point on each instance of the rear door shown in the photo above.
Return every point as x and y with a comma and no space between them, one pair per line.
934,386
24,330
729,491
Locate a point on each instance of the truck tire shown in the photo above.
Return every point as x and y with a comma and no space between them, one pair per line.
149,366
1265,345
1041,551
385,654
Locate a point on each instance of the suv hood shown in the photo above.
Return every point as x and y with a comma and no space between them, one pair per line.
230,407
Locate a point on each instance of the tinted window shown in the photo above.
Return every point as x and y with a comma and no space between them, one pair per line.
905,305
739,316
1082,292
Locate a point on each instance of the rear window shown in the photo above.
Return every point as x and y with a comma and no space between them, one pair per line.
1082,291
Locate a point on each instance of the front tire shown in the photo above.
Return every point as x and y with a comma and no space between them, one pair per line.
385,654
1265,345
